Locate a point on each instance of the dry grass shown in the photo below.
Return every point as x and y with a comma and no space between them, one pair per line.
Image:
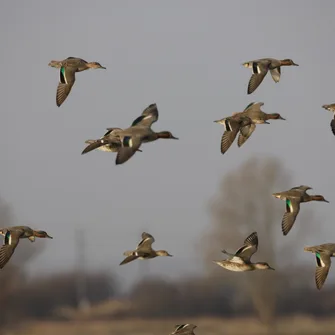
299,325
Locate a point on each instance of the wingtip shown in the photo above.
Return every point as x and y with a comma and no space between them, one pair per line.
284,232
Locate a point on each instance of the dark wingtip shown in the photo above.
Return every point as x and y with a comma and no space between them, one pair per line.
284,231
118,162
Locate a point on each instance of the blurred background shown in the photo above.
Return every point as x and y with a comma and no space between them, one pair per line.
185,56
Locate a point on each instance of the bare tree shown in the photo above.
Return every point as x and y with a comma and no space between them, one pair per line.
244,204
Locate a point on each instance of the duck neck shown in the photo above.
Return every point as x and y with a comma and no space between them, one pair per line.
55,63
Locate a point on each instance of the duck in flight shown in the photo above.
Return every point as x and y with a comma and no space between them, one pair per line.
257,116
240,260
293,198
233,125
12,238
260,68
323,253
128,141
68,68
144,250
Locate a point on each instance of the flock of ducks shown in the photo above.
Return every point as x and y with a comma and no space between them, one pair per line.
126,142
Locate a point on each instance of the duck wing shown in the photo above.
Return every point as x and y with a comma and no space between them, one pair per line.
232,127
253,106
255,81
129,146
275,74
260,69
245,133
323,263
11,241
292,210
148,117
129,259
146,242
249,247
185,329
332,125
66,80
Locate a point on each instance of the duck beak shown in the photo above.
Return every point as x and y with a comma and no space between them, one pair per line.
174,138
281,118
270,268
266,122
102,67
295,64
326,201
48,236
170,255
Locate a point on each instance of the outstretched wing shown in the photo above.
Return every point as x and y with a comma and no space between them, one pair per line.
275,73
292,210
245,133
232,127
146,242
66,81
130,144
129,259
249,247
253,106
255,81
11,241
323,263
148,117
227,140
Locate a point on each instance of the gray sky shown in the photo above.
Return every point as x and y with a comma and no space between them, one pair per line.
186,56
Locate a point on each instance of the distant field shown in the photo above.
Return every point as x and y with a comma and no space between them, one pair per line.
299,325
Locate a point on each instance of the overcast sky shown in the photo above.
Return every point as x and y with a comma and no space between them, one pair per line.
185,56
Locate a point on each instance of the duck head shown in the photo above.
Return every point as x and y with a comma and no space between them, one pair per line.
263,266
166,134
95,65
41,234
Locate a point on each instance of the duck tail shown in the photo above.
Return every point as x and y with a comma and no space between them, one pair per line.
310,249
